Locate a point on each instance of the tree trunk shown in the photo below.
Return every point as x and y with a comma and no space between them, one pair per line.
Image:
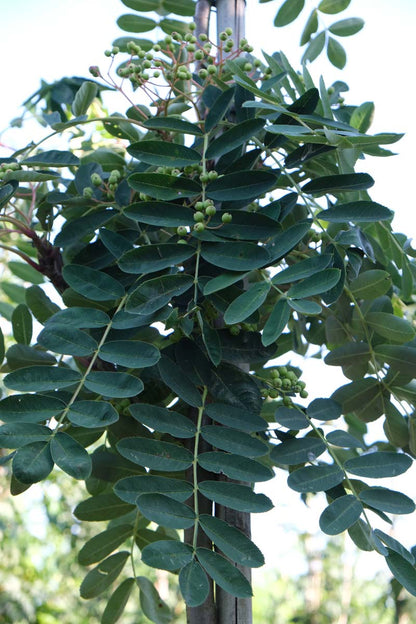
220,606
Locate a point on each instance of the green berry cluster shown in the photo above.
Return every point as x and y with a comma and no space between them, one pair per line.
8,166
283,382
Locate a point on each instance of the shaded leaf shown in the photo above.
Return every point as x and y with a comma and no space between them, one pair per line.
117,602
29,408
101,507
340,515
103,544
103,575
403,571
392,327
319,283
70,456
14,435
297,451
160,213
336,53
92,414
83,99
235,256
152,258
163,420
358,211
235,496
135,23
112,384
346,28
315,478
176,379
41,378
154,294
242,185
163,154
167,555
54,158
163,186
324,409
155,454
232,542
247,303
235,466
129,488
288,12
151,603
291,418
22,324
236,417
194,584
234,441
224,573
60,338
32,462
333,6
130,353
338,183
387,500
91,283
378,464
166,511
234,137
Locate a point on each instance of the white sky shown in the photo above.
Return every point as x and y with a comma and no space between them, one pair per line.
54,38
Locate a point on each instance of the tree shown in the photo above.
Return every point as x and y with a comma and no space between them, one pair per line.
180,278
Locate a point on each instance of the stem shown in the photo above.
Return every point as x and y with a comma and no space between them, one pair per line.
195,467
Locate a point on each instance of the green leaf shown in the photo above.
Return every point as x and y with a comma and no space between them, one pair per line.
363,394
40,305
387,500
311,27
389,326
343,439
357,211
83,100
232,416
85,318
169,26
155,454
324,409
291,418
151,603
211,340
179,7
70,232
194,584
22,324
32,462
129,488
403,571
288,12
163,420
315,478
276,322
30,176
232,542
336,53
224,573
25,272
219,108
333,6
60,338
20,356
235,496
297,451
172,124
135,23
371,284
101,507
130,353
164,186
233,441
115,385
91,283
378,464
242,185
41,378
393,544
235,256
55,158
235,466
315,47
234,137
247,303
6,193
29,408
154,294
103,575
103,544
166,511
339,183
163,154
117,603
340,515
362,116
302,269
15,435
161,214
167,555
176,379
70,456
319,283
141,5
152,258
92,414
346,28
282,243
400,358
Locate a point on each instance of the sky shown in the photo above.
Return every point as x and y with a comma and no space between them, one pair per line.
53,38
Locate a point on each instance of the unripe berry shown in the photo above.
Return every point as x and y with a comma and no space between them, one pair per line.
287,401
210,211
199,55
87,192
212,175
226,217
115,50
273,394
107,53
203,73
235,330
94,71
192,26
199,227
96,179
212,70
248,67
156,74
198,216
303,394
191,47
203,37
223,36
181,231
199,205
